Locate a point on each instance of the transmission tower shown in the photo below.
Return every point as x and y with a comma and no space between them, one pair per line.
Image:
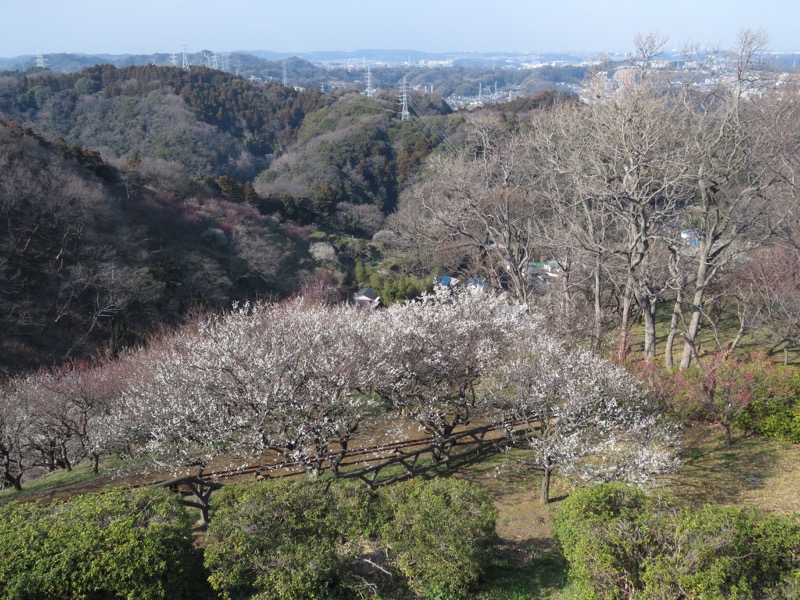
173,59
370,91
185,64
41,61
404,114
285,78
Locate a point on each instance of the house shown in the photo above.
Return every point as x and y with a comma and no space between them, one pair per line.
367,298
447,282
476,281
690,237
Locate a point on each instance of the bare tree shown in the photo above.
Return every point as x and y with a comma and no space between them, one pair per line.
736,187
476,211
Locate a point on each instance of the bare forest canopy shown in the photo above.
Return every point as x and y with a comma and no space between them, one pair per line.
664,203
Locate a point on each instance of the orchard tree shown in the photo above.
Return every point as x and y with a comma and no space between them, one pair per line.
434,353
18,425
79,397
288,378
721,389
583,415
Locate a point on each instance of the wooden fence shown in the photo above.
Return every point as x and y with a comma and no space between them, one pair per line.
376,466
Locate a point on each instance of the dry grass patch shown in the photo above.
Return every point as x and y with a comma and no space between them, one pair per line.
753,471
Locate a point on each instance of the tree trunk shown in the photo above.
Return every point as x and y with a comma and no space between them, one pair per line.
649,314
15,481
690,347
598,307
669,360
544,495
625,324
677,308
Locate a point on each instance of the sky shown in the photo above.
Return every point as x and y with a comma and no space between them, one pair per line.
150,26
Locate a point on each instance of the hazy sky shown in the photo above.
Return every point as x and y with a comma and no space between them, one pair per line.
148,26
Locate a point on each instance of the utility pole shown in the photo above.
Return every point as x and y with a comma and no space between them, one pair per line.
404,114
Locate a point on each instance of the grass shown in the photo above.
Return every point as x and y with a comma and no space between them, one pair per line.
752,471
81,480
522,573
51,484
727,327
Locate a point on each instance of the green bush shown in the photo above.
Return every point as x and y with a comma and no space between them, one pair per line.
775,412
724,552
336,539
596,529
118,544
439,534
619,544
286,539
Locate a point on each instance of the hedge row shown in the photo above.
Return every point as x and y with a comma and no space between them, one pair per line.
120,544
621,544
279,539
304,539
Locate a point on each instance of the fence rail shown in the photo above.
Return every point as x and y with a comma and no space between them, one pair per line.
457,450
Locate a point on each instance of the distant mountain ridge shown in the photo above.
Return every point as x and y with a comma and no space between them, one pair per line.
72,62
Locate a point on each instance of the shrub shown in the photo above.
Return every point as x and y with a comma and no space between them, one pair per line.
595,528
286,539
439,534
723,552
776,411
118,544
619,544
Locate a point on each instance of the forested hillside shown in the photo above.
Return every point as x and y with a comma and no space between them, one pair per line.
133,196
89,267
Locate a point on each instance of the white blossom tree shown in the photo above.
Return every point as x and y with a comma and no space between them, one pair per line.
288,378
434,353
583,415
18,425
